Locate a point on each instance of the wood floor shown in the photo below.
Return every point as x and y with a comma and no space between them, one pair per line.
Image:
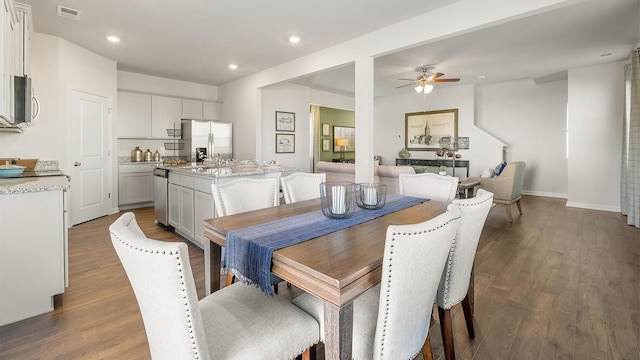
557,283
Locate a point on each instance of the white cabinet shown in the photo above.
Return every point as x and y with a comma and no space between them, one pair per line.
135,185
181,204
211,111
204,208
165,114
191,109
8,29
23,40
32,253
134,115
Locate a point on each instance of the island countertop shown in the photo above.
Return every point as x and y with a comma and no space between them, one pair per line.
33,184
230,171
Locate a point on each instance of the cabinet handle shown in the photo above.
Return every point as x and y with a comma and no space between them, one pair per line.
77,163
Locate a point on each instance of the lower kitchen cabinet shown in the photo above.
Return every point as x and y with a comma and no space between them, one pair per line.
204,209
33,253
135,187
181,205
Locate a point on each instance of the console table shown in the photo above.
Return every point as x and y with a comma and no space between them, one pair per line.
435,163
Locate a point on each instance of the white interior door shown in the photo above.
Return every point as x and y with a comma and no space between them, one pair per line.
89,156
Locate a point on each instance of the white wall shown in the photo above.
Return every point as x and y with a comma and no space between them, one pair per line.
531,119
290,98
164,86
595,136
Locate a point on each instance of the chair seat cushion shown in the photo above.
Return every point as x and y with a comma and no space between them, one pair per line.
233,326
365,317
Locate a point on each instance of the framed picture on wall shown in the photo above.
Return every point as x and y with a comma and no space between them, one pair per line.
423,130
326,145
285,143
344,139
285,121
326,130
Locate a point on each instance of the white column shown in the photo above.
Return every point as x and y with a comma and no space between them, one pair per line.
364,119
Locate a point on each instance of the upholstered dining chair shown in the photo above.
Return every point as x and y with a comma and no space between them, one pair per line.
301,186
391,320
506,187
236,322
242,195
454,284
428,185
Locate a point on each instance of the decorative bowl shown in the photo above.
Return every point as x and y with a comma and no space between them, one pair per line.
7,171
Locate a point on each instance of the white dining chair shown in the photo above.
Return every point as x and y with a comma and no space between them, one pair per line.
454,284
242,195
428,185
391,320
301,186
236,322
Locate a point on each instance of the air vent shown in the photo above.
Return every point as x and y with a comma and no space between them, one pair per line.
68,13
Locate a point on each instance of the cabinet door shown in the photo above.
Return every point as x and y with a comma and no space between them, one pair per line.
135,188
204,209
8,63
134,115
192,109
186,212
174,205
211,111
165,114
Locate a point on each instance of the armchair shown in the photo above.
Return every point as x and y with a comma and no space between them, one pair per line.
506,187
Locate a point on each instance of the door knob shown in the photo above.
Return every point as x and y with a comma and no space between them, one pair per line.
77,163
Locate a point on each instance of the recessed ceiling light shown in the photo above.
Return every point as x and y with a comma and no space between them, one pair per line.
294,39
113,39
481,77
606,54
233,66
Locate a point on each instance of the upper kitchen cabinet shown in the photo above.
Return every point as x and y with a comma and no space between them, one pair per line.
8,29
165,114
211,111
134,115
200,110
192,109
23,40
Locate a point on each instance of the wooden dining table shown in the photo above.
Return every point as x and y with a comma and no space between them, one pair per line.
336,267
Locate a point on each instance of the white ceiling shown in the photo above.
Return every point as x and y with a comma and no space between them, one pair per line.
195,40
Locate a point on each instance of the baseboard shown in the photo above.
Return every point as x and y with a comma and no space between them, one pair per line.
545,194
593,206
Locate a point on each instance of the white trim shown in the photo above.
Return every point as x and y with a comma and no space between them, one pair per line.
545,194
593,206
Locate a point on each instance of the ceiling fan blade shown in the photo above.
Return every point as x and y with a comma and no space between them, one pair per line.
401,86
408,79
446,80
435,76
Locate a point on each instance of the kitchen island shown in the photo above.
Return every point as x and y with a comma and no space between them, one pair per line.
190,200
33,245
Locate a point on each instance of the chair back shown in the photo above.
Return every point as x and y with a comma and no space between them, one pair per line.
301,186
457,273
244,195
515,170
161,278
428,185
414,258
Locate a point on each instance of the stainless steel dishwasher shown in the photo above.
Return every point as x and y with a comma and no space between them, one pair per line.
160,191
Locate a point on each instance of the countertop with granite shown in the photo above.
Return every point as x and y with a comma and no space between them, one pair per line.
230,171
33,184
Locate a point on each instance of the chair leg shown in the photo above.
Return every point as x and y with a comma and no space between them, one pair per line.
309,354
275,288
427,353
447,333
468,316
509,213
230,279
519,207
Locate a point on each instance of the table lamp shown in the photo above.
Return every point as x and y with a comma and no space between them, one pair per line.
342,142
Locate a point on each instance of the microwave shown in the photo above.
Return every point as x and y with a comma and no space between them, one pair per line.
26,106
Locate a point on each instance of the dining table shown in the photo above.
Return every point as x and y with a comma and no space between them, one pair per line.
336,267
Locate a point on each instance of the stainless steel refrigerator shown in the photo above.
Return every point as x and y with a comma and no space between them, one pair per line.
204,138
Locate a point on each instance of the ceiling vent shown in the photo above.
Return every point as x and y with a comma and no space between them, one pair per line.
68,12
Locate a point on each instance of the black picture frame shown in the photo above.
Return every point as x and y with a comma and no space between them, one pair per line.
285,143
285,121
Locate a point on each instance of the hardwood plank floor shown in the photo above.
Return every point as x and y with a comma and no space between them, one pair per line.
557,283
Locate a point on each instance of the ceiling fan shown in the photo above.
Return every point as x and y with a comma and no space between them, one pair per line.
425,82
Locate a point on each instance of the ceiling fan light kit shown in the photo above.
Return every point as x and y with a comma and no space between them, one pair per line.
425,83
427,88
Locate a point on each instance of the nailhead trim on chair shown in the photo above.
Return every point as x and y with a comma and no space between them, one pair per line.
390,265
182,288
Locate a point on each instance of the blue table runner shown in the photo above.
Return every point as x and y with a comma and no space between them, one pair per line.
249,250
